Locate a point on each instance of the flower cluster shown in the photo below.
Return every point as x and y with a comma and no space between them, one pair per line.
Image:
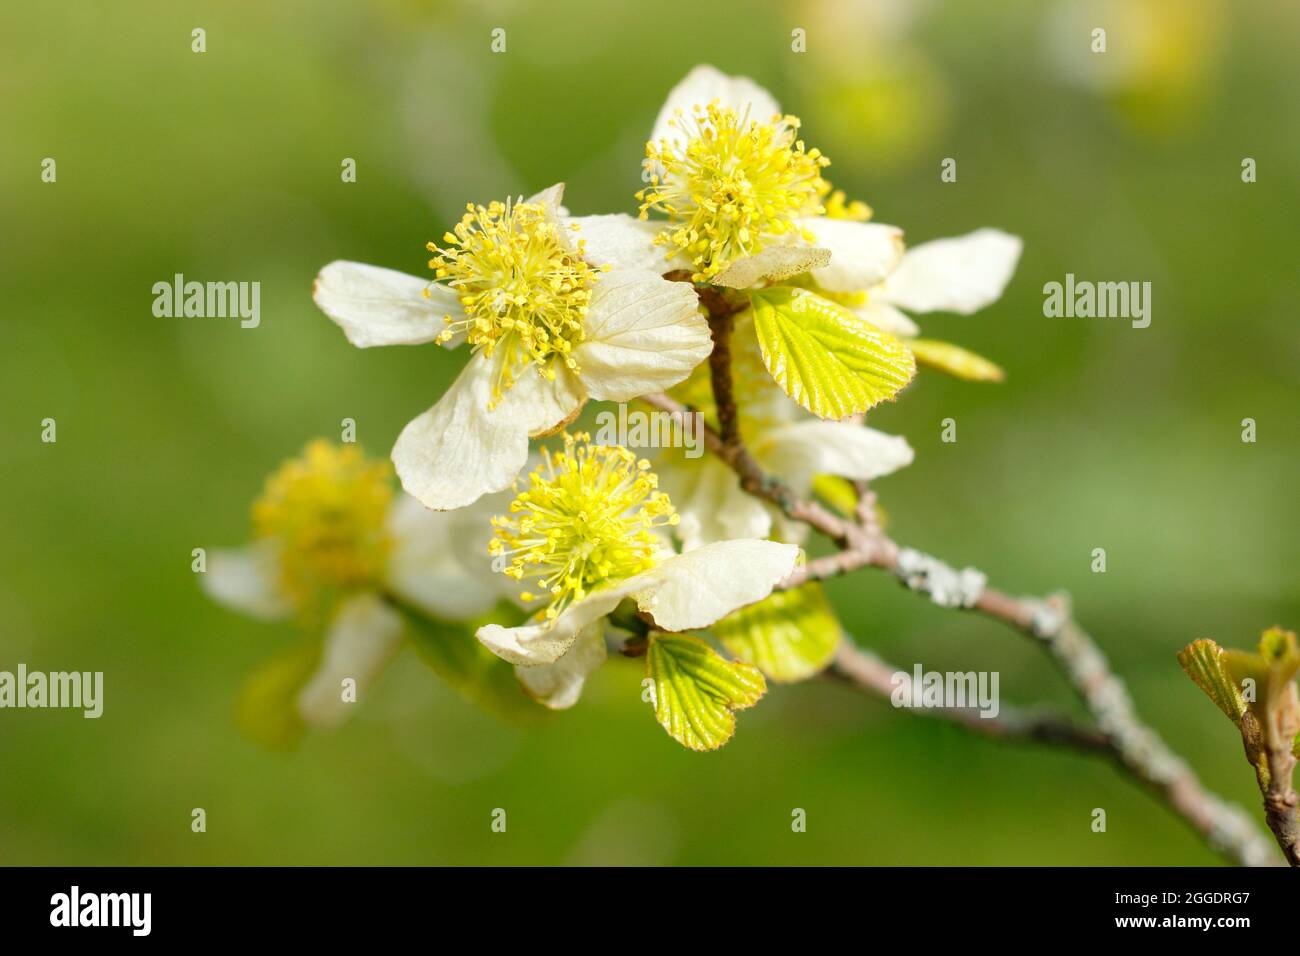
546,566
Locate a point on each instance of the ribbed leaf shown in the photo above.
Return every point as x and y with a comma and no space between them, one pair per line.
955,360
823,356
696,690
1272,669
789,636
1203,662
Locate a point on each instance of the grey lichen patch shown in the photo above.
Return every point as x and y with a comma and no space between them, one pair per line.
946,586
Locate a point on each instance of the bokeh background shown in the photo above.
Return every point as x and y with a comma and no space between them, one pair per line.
225,165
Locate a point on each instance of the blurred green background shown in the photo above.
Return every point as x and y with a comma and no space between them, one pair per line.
225,165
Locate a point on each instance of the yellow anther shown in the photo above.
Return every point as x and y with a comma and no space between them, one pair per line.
328,511
733,182
523,289
838,207
587,517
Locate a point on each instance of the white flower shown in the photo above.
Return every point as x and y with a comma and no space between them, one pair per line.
587,529
784,439
681,593
843,253
735,180
334,546
558,310
720,135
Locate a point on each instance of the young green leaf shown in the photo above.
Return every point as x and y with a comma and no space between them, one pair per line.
1203,662
789,636
955,360
696,690
266,709
826,358
1272,672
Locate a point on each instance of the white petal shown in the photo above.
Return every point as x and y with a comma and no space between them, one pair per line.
248,580
439,560
559,685
460,450
703,85
622,241
886,318
960,275
773,262
700,587
862,253
363,638
644,334
809,448
552,199
376,306
711,503
545,643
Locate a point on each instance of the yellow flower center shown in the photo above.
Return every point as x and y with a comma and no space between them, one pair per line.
327,510
586,518
523,288
732,183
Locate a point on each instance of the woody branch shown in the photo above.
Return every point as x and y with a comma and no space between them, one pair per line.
862,543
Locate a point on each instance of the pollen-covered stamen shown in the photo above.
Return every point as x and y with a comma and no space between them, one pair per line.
732,183
328,512
587,517
523,288
839,206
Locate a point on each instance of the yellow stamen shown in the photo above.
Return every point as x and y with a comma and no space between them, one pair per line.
838,207
524,288
586,518
328,512
733,183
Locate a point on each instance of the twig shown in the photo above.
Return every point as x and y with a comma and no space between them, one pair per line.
752,476
1280,797
868,673
1136,747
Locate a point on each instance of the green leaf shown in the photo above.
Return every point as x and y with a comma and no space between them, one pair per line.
1203,662
1272,670
955,360
478,675
789,636
823,356
267,706
696,690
